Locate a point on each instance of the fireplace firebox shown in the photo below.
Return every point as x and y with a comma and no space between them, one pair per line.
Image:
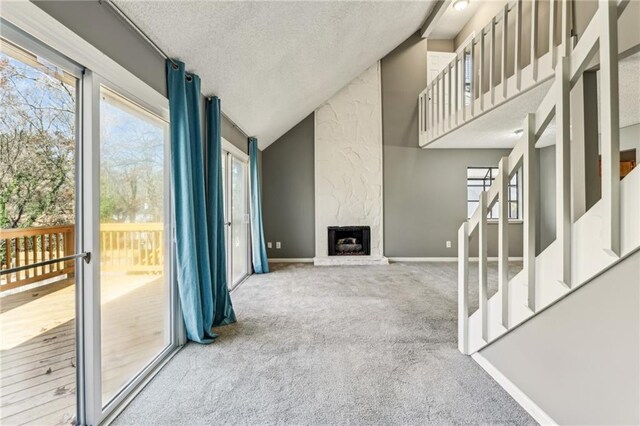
349,240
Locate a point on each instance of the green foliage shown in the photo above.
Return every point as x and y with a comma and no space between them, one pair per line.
37,144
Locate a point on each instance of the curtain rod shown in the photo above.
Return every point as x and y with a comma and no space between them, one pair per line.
162,53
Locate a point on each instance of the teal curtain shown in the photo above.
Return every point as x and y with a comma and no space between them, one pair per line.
193,261
223,309
258,250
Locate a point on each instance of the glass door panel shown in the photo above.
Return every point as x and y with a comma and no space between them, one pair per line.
239,232
37,220
134,276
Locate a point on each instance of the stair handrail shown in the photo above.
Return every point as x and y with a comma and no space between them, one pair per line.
597,36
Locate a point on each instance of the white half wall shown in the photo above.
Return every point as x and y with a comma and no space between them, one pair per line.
578,362
348,160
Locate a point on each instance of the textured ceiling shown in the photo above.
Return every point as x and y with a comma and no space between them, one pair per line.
452,21
272,63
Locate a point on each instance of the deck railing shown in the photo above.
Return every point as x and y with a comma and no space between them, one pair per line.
124,247
132,247
26,246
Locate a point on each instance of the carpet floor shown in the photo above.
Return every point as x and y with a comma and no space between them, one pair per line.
370,345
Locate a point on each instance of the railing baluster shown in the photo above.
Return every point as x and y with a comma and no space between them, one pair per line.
69,247
425,106
456,92
449,100
529,186
492,61
17,252
34,251
420,122
25,249
563,170
432,103
517,64
565,27
463,79
505,46
534,40
9,256
482,266
503,238
552,32
57,235
441,103
610,120
472,89
463,288
481,71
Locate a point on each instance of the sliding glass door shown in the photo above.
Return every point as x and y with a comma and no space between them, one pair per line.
38,122
236,201
134,273
87,296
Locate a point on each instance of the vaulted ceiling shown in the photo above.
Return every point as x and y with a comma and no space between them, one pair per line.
272,63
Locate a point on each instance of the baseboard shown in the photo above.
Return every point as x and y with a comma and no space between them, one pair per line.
423,259
516,393
443,259
350,260
291,260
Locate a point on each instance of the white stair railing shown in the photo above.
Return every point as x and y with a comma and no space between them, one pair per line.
600,35
475,82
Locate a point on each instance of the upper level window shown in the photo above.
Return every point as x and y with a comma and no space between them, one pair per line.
480,179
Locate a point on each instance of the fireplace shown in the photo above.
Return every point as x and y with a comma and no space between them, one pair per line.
349,240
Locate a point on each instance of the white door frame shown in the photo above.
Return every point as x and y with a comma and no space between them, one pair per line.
94,412
228,152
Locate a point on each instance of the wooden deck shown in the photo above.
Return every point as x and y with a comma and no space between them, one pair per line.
37,350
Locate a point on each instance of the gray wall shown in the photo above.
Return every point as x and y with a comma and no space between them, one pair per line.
546,211
99,25
425,191
288,192
565,360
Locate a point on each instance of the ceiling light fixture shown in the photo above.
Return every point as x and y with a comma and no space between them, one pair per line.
460,4
518,132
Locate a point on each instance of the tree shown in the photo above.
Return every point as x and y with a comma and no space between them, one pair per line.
37,145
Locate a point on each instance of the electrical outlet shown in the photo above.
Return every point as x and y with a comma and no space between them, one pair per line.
278,245
269,245
448,244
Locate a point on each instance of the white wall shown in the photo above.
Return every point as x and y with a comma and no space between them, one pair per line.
579,361
348,160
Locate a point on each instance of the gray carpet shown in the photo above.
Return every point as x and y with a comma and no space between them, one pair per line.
372,345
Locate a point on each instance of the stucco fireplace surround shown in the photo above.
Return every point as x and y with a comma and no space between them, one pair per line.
348,168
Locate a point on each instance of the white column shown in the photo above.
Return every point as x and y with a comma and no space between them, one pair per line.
482,266
503,239
563,170
610,121
529,195
463,288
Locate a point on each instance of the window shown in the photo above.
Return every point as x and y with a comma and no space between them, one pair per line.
480,179
134,279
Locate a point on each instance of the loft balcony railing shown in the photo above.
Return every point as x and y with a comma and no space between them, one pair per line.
504,60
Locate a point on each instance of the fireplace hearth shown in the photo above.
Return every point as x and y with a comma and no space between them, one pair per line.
349,240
